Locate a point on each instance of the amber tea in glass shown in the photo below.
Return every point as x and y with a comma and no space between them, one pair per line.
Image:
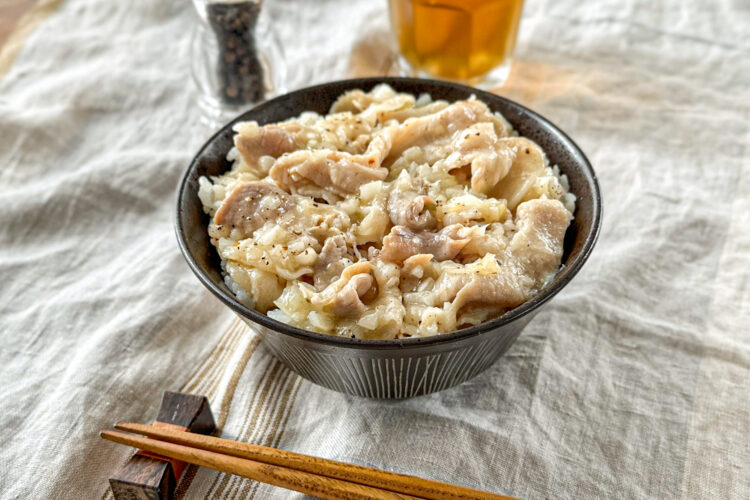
461,40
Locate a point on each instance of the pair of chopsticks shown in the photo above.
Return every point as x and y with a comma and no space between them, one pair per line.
311,475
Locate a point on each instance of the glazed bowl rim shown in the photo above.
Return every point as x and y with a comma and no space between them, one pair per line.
527,307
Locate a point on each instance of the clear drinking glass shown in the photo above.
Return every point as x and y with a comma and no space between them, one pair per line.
237,59
469,41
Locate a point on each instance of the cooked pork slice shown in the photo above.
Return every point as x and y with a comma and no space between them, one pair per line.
248,207
503,290
489,159
332,260
411,210
401,243
348,302
537,246
353,101
486,283
345,296
326,171
528,165
401,115
254,142
533,255
368,105
378,105
430,128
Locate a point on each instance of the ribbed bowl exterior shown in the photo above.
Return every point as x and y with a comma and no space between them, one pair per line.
393,369
392,373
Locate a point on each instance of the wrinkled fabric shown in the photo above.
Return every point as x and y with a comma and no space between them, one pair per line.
632,383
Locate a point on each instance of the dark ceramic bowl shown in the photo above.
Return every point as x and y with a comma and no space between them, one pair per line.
390,368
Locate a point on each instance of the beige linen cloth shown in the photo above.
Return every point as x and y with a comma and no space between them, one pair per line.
634,382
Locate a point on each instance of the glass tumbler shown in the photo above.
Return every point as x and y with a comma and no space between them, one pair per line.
468,41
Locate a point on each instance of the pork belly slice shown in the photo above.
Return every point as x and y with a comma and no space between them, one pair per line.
248,207
254,141
402,243
531,258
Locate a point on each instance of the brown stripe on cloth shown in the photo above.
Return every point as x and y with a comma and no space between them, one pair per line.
212,381
226,402
269,385
252,428
264,426
222,348
257,405
292,399
10,12
223,410
25,27
290,396
259,434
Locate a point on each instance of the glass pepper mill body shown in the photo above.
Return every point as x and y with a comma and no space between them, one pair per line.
237,60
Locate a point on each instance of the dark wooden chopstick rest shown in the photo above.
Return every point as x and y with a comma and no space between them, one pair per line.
150,477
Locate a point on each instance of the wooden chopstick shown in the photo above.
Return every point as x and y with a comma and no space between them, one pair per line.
318,467
311,484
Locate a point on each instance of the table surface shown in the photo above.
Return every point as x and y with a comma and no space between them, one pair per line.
632,383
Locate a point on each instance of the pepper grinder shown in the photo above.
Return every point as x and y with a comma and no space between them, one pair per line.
237,60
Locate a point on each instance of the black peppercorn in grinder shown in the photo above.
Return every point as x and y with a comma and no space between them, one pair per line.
239,70
237,59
